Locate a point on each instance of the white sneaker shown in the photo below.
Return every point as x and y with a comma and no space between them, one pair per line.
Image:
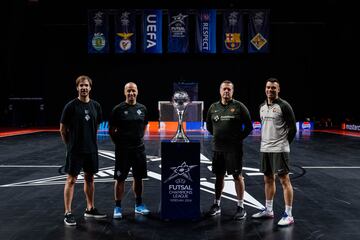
263,214
286,220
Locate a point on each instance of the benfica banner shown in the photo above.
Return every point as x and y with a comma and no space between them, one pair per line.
152,31
259,27
125,32
178,31
98,32
206,31
233,32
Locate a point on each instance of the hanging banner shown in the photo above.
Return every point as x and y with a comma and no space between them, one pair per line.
125,32
206,31
98,32
178,31
233,32
259,28
152,31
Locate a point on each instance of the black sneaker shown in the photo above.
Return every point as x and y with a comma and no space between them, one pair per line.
214,210
240,213
69,219
94,213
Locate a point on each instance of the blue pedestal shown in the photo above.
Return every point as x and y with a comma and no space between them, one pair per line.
180,180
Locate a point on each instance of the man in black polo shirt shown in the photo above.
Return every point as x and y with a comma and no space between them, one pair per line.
78,128
228,120
127,125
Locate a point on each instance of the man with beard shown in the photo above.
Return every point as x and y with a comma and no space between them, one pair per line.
78,128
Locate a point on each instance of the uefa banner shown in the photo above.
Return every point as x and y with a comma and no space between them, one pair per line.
206,31
98,31
178,31
152,31
125,32
259,30
233,32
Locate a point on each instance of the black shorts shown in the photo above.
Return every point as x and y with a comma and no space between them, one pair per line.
89,162
274,163
130,158
230,162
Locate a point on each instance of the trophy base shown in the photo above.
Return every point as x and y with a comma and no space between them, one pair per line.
180,138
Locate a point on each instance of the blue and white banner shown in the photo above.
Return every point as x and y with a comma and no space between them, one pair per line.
206,31
233,32
152,31
178,31
259,31
125,32
98,31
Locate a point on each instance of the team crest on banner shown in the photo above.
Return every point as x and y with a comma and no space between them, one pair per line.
125,38
232,41
97,32
258,41
232,31
259,21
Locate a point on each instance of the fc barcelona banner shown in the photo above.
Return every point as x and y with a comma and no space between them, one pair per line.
259,28
178,31
206,31
233,32
125,32
98,32
152,31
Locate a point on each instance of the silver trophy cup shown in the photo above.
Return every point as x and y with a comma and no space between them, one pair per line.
180,101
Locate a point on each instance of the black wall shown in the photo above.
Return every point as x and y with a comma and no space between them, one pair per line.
312,50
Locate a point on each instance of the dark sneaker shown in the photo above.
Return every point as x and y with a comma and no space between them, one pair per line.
69,219
240,213
214,210
94,213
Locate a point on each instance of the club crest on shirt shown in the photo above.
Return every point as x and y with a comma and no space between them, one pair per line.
87,117
216,118
139,112
232,110
126,112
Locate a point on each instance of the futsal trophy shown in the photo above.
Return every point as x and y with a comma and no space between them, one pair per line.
180,101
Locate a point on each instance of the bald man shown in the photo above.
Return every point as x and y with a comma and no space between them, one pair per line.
127,124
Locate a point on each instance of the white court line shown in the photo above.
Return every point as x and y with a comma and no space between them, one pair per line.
30,166
331,167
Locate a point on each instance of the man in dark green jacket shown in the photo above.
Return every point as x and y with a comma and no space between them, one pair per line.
228,120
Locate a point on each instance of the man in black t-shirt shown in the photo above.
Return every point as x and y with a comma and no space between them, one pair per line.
78,128
126,126
228,120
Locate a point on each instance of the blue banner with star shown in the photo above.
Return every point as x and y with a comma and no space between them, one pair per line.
178,31
98,31
233,31
125,31
206,31
152,31
259,31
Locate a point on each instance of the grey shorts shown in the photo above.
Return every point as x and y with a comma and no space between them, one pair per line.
274,163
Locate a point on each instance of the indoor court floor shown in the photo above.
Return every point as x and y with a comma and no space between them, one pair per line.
325,173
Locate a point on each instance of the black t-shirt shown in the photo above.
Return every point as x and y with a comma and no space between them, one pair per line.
129,122
82,120
229,124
